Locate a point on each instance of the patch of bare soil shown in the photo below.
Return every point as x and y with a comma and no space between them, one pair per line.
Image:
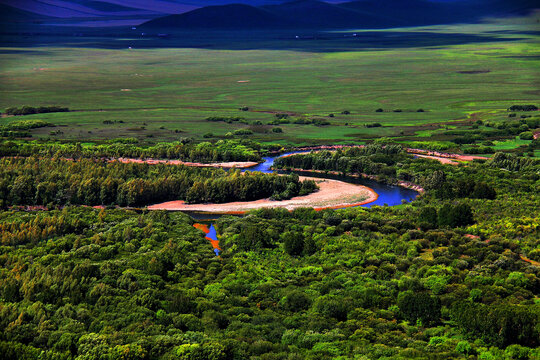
232,164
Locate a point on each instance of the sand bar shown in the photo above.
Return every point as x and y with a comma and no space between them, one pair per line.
332,194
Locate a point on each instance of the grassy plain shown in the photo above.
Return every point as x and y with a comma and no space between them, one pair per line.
159,94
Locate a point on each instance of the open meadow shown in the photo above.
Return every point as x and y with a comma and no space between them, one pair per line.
163,94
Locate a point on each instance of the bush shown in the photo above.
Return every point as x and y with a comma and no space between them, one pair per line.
526,135
419,306
296,300
523,108
243,132
277,130
455,215
29,110
372,125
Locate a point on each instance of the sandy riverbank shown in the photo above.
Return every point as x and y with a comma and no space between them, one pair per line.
232,164
332,194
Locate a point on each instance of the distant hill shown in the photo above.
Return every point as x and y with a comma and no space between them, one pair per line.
10,14
226,16
355,14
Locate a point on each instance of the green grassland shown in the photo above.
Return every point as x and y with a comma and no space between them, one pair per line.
165,94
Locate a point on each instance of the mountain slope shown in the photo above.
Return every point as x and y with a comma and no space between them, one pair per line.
313,13
355,14
234,16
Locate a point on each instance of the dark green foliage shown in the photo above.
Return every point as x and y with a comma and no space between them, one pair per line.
223,150
428,216
383,282
332,306
526,135
227,119
296,300
293,243
523,108
420,306
499,325
32,181
29,110
512,162
372,159
253,238
455,215
320,122
373,125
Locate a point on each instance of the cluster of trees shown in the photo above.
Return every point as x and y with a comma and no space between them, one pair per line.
25,125
247,187
375,159
29,110
222,150
513,162
444,187
523,108
34,181
449,215
227,119
81,283
299,121
17,129
390,163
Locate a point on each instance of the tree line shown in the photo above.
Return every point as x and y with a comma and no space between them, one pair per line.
39,181
30,110
221,151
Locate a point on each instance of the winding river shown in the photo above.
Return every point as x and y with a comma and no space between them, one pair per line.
390,195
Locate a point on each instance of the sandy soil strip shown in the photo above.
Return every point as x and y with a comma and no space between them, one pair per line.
438,155
332,194
438,158
232,164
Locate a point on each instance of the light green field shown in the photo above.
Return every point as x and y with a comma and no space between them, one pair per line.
510,144
167,93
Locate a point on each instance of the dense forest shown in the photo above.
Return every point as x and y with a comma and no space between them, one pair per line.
205,152
51,182
453,274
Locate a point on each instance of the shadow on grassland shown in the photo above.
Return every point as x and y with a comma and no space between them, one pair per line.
299,40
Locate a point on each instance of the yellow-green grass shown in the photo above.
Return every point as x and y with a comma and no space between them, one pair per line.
510,144
170,92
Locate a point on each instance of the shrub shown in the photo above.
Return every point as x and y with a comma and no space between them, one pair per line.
419,306
526,135
243,132
523,108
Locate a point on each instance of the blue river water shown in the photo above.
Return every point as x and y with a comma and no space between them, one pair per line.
389,195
